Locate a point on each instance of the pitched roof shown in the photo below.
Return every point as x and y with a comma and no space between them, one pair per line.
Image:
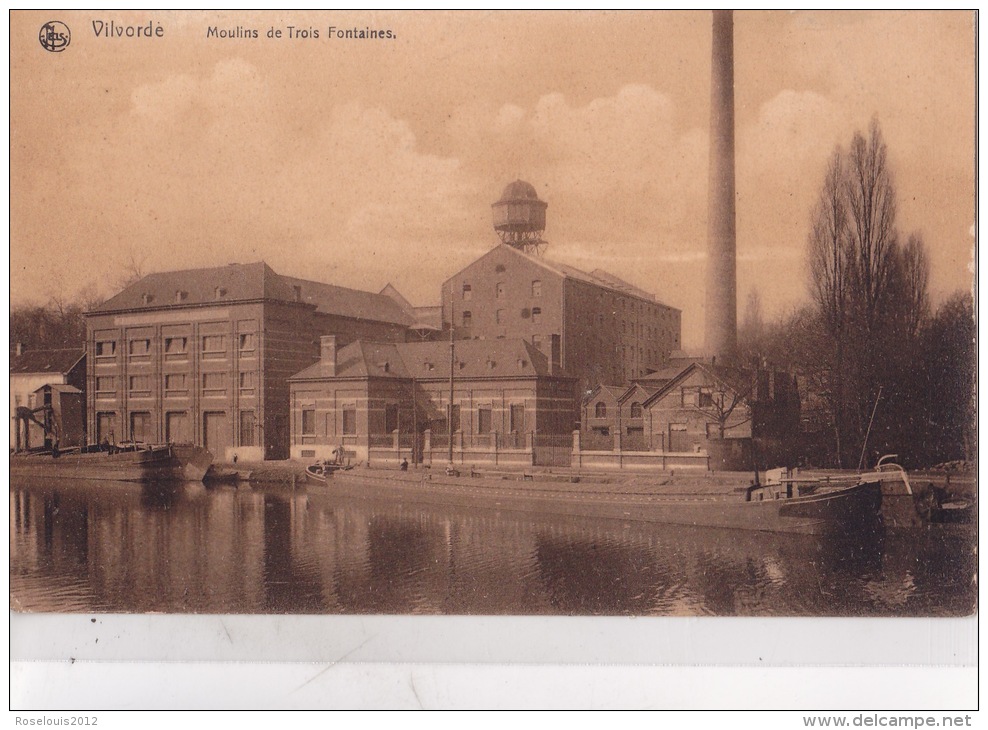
430,360
59,388
355,303
737,379
598,277
648,390
251,282
46,361
614,391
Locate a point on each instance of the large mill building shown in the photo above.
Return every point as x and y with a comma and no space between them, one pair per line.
607,330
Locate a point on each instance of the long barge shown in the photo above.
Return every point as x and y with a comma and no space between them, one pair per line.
167,462
760,508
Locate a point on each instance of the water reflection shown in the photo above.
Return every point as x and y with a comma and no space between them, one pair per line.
118,547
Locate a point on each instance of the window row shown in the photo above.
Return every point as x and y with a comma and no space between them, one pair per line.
484,422
600,410
308,425
499,291
501,316
174,383
177,427
210,346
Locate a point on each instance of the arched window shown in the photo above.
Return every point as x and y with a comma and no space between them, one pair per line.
600,411
636,410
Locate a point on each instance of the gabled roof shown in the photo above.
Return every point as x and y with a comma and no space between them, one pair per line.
46,361
635,388
598,277
251,282
392,293
59,388
614,391
660,377
737,379
430,360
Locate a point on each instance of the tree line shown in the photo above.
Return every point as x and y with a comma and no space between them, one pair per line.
880,372
58,324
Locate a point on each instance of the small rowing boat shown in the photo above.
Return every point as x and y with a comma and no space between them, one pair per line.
321,471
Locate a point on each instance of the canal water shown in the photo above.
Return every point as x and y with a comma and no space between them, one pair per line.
82,546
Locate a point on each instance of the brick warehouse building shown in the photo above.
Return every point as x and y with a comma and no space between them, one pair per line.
609,331
204,356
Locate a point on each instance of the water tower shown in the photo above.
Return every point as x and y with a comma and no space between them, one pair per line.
519,217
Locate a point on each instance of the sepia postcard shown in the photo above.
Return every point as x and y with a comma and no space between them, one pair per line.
354,316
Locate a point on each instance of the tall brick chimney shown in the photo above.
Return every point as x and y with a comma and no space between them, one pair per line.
721,324
327,355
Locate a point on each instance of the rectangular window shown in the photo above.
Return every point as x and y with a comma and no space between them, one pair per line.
176,345
247,342
536,315
537,342
175,382
484,420
105,384
518,418
140,427
536,288
309,422
248,423
349,420
706,399
214,383
390,418
713,430
455,419
139,347
106,348
213,346
499,290
499,316
467,291
247,381
467,318
140,385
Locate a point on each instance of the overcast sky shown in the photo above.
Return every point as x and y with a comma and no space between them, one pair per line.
363,162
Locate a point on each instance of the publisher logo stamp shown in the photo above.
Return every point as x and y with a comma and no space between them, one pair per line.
55,36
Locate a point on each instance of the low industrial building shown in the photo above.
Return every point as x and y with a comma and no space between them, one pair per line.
710,416
740,418
40,378
388,402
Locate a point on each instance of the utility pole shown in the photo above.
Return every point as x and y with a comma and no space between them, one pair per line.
449,411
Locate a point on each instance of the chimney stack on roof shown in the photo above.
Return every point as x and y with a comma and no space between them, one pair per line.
327,355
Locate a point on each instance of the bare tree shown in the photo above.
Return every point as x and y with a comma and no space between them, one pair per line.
870,292
871,208
133,269
914,284
829,248
830,253
719,402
